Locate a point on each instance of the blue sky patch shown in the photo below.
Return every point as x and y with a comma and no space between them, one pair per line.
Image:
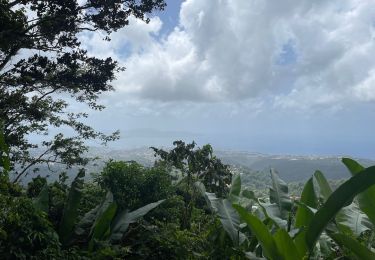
287,55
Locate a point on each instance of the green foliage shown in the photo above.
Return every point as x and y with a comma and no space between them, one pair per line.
169,211
41,202
168,241
235,187
261,232
123,219
58,193
4,155
194,164
133,185
197,164
97,231
36,91
105,219
338,199
25,231
223,209
286,246
308,198
6,187
70,212
92,196
279,195
88,222
354,246
35,186
101,228
366,200
320,212
325,188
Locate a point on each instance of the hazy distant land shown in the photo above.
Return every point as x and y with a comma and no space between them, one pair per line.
291,168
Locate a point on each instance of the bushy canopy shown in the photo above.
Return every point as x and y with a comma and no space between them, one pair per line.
44,68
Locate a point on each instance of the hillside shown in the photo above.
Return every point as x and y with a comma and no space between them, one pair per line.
290,168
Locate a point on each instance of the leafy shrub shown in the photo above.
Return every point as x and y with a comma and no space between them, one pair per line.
168,212
25,231
322,224
35,186
92,195
167,241
133,185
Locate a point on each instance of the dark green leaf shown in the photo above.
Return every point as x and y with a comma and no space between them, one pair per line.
230,220
235,188
42,201
102,226
355,185
209,197
279,195
261,232
324,187
91,217
308,198
366,200
272,212
125,218
286,246
70,212
249,194
300,242
354,246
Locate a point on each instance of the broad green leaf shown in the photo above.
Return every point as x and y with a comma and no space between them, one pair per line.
71,206
300,242
279,195
272,212
88,220
308,198
354,246
366,200
312,210
324,187
125,218
348,219
102,225
286,246
351,219
249,194
261,232
353,166
230,220
235,188
209,197
42,201
355,185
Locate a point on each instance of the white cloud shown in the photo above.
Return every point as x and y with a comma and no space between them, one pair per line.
365,90
295,53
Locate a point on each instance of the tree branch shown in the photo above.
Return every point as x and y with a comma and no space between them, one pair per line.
35,161
12,52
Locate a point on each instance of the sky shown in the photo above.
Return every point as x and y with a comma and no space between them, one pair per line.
276,77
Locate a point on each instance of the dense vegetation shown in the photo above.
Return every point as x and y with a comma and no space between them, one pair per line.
183,208
188,205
